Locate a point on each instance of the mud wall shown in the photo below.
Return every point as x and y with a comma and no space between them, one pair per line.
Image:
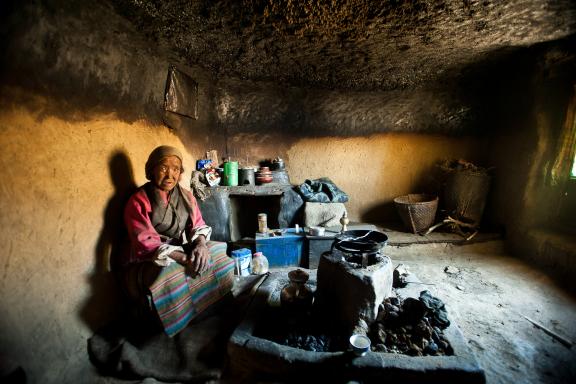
80,110
373,145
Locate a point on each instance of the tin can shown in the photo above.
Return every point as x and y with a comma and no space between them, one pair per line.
262,223
231,173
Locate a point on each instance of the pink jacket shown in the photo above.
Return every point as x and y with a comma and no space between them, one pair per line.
144,240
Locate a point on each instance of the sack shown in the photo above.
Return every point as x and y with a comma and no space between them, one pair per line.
322,190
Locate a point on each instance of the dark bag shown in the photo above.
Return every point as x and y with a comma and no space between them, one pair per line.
322,190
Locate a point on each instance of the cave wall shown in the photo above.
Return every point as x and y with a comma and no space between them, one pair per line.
524,148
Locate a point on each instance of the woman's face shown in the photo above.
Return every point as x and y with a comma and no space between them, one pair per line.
167,173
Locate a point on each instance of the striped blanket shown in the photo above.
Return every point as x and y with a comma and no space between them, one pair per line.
179,298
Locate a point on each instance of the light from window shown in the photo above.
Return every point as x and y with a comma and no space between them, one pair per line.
573,173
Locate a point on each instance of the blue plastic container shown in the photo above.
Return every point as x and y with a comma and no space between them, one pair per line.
242,258
282,251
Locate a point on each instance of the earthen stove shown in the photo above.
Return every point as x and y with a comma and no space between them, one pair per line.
350,287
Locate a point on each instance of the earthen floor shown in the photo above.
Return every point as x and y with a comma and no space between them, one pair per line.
489,295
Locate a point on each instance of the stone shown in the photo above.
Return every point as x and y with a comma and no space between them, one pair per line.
381,336
431,348
381,313
435,336
391,308
435,308
391,340
393,300
361,328
451,270
423,330
399,276
393,319
414,350
413,310
380,348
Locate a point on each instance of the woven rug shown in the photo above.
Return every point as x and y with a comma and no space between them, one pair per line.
132,350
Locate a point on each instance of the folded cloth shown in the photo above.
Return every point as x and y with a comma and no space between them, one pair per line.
198,185
178,297
322,190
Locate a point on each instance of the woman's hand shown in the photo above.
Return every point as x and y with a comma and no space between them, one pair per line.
200,257
180,257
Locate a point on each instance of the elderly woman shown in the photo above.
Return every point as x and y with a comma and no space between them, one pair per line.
171,262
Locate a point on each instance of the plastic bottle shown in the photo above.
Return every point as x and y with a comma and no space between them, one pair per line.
259,263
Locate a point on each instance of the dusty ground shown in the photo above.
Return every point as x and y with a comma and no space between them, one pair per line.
487,296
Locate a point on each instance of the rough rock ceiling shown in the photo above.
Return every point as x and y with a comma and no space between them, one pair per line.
352,44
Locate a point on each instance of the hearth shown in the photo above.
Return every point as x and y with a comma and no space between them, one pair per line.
353,295
256,358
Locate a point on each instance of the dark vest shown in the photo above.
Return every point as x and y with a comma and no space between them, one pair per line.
169,219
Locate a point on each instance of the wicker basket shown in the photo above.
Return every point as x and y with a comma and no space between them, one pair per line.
465,195
417,211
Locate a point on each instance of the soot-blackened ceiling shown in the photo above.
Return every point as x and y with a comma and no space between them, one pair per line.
347,44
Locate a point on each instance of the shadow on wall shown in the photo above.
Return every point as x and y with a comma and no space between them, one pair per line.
384,212
104,305
429,180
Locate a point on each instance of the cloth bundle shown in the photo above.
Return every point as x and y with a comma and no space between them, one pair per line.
322,190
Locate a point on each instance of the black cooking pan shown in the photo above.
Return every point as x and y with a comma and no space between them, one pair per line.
360,241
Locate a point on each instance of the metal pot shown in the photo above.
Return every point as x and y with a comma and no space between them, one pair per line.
246,176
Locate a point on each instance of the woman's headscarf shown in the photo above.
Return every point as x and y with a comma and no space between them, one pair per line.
158,206
157,155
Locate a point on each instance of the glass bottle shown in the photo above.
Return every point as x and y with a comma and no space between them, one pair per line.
262,223
296,295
